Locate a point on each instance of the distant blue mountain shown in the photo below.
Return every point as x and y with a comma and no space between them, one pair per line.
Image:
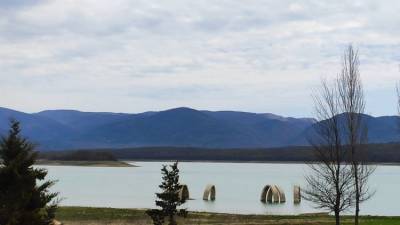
184,127
43,131
382,129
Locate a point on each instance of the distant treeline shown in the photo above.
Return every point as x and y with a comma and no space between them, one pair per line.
78,155
379,153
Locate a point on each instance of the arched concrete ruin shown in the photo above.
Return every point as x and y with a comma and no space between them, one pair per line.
264,193
296,194
282,197
184,192
272,194
209,193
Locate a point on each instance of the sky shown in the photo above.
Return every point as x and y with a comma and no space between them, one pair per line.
135,56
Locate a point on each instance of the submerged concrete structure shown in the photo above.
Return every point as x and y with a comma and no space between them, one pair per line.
296,194
184,192
209,193
272,194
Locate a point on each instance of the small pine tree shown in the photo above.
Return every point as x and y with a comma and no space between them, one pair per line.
168,199
22,200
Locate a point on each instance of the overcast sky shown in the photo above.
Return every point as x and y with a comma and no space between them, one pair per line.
135,56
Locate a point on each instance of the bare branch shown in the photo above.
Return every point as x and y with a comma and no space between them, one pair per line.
340,179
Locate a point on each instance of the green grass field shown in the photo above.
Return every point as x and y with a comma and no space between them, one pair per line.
110,216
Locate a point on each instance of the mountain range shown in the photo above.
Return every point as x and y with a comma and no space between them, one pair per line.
179,127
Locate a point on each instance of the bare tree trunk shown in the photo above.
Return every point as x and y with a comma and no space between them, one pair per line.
355,131
357,210
338,191
337,217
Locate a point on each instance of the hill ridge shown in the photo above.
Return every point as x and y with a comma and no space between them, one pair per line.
179,127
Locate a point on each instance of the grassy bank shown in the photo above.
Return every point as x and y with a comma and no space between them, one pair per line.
83,163
109,216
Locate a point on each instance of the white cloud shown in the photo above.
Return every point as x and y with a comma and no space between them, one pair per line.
135,56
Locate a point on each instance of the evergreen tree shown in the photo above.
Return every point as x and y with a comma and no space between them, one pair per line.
168,199
24,194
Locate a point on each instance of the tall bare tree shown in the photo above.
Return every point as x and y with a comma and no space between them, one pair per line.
340,178
354,131
329,185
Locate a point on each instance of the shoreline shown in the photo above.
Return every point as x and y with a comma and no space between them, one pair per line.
113,216
84,163
244,161
318,213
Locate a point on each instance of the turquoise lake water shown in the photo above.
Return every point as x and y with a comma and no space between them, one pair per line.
238,186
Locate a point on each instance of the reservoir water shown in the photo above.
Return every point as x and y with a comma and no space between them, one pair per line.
238,186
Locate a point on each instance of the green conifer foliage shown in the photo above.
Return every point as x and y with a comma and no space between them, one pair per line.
24,193
168,199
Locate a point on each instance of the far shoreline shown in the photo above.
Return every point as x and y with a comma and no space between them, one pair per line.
245,161
85,163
